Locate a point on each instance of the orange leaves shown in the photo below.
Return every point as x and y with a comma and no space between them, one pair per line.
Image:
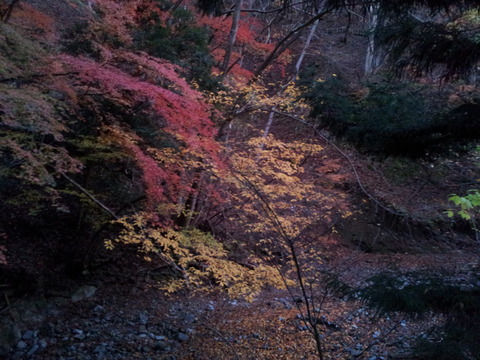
121,16
274,193
37,23
247,42
177,112
195,256
187,116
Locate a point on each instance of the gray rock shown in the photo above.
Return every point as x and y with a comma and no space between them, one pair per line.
99,309
182,336
190,318
33,350
29,334
101,352
143,318
79,334
162,346
21,345
83,293
356,353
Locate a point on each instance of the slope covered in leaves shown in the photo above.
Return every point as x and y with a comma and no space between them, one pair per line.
95,131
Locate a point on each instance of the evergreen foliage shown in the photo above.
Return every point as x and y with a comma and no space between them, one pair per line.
393,118
181,42
416,294
420,47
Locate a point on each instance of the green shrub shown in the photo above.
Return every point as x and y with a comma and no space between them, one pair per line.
392,118
180,42
416,294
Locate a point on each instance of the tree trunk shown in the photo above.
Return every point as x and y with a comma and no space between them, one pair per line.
232,37
372,61
285,42
305,48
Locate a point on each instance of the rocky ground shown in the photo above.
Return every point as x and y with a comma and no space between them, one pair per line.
134,320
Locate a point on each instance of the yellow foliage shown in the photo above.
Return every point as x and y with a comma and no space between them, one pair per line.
199,260
258,97
276,197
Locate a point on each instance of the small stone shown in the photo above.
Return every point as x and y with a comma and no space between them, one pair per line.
100,351
210,307
28,335
83,293
182,336
22,345
33,350
161,346
143,318
356,353
43,343
190,318
159,337
98,309
376,334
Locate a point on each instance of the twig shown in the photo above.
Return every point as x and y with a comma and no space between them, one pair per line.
219,334
91,197
31,78
350,162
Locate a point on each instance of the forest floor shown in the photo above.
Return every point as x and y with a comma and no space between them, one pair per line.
126,316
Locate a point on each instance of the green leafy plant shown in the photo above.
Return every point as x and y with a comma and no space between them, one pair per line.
468,208
468,205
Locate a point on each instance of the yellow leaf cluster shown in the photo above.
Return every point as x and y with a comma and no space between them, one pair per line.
200,261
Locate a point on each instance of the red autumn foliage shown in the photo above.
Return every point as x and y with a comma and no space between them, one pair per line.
133,79
187,117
